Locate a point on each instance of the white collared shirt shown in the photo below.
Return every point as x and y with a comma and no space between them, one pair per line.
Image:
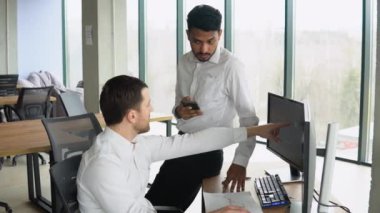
219,86
114,172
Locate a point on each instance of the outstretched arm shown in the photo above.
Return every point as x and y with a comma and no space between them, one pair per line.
162,148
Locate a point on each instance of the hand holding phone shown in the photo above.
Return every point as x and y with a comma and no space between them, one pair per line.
192,104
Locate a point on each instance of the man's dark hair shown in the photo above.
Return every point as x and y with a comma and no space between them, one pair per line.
119,95
204,17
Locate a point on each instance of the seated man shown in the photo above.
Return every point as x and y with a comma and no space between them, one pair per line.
114,172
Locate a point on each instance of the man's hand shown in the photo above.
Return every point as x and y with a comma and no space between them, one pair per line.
231,209
187,112
236,174
270,131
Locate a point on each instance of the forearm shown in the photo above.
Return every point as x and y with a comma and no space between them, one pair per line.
245,149
199,142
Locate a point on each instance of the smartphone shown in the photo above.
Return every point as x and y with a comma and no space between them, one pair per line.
192,104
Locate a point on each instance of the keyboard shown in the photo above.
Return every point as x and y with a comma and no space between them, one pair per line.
271,191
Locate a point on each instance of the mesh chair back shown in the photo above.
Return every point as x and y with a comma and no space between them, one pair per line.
72,103
8,84
64,175
34,103
70,136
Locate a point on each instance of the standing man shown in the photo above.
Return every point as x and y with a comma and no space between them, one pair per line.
214,79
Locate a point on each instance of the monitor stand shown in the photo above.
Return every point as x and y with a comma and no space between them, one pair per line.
287,175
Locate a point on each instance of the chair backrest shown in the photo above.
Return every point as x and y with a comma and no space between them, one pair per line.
70,136
8,84
34,103
72,103
64,175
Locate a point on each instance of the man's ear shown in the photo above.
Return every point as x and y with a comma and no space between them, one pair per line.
131,116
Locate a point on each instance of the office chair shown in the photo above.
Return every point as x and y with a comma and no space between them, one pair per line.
32,103
64,176
6,206
72,103
69,137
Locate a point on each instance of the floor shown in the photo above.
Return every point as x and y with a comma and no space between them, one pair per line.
351,183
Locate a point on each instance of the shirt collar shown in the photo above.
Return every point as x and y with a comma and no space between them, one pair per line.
121,145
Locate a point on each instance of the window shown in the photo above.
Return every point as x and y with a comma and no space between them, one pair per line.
74,62
132,38
161,53
328,67
259,44
372,82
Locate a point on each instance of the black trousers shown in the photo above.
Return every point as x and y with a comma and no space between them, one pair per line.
179,180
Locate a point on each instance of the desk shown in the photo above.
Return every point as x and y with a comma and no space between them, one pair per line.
12,100
294,190
154,117
29,137
213,185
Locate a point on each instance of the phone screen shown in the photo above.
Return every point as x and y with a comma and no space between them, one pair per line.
193,105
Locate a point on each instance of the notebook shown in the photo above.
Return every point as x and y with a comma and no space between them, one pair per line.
214,201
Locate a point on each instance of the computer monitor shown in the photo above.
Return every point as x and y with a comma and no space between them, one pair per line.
8,84
281,109
297,146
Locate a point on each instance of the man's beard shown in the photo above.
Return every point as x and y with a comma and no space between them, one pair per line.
203,56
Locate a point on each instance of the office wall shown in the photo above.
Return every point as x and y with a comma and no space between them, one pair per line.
39,36
8,41
374,206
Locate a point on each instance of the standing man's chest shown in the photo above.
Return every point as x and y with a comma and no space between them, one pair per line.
204,80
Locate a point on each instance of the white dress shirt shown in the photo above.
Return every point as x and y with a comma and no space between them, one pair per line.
114,172
219,86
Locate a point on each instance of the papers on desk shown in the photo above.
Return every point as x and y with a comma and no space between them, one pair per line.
214,201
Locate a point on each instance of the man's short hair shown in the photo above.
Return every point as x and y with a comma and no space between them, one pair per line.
119,95
204,17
